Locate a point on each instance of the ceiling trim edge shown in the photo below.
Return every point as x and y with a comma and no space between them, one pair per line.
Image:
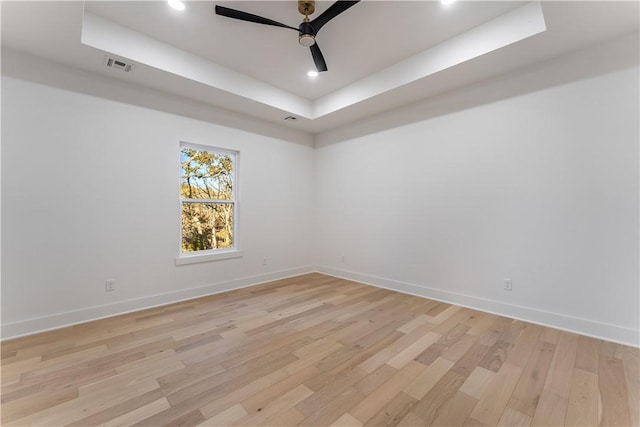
512,27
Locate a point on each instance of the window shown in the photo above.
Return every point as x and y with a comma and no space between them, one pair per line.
208,199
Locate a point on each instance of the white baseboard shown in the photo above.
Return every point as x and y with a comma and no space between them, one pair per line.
580,326
69,318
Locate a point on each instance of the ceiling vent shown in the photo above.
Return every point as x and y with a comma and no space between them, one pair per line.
290,118
118,64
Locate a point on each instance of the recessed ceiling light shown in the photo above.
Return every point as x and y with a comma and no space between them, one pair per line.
446,2
312,73
176,4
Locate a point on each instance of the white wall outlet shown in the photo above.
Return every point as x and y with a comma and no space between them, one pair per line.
264,261
342,259
110,285
508,284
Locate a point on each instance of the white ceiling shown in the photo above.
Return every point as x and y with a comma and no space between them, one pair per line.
352,45
380,54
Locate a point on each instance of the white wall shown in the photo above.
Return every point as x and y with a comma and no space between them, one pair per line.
532,176
90,192
541,188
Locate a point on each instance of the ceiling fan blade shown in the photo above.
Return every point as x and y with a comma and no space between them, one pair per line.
318,59
244,16
334,10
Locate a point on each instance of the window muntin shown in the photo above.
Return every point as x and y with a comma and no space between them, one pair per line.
208,197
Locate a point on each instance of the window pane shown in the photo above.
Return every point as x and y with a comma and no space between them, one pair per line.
207,226
205,174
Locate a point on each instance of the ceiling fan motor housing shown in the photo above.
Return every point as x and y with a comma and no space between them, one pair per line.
307,35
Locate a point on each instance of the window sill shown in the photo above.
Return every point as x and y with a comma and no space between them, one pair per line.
193,259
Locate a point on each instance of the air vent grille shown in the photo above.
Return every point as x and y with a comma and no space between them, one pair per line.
118,64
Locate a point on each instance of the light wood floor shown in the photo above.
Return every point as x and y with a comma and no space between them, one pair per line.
315,350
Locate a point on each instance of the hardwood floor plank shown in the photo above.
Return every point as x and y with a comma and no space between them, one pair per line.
458,349
459,319
482,322
430,407
445,314
316,350
613,389
402,358
420,320
524,346
333,410
139,414
582,408
246,371
324,395
36,371
227,417
424,382
631,365
192,418
328,349
347,420
368,407
496,355
375,379
88,403
513,418
554,400
210,389
290,417
411,420
551,410
276,406
450,337
120,409
393,412
347,359
527,393
467,363
477,381
20,408
496,394
559,376
456,410
262,398
380,358
587,354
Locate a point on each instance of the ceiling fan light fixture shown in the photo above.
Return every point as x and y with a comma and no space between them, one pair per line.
306,40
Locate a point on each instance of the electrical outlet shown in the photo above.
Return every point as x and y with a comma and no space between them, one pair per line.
508,284
264,261
110,285
342,259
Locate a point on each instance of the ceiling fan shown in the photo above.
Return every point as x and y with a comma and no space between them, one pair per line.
307,30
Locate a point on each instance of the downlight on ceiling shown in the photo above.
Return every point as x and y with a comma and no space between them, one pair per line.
312,73
176,4
447,2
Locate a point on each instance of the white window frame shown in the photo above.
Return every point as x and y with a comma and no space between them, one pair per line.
211,254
